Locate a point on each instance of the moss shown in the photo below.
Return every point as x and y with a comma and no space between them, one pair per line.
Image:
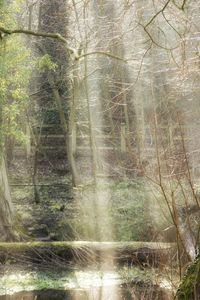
82,252
189,287
78,244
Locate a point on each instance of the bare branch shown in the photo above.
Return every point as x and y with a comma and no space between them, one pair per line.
39,34
59,37
154,42
160,11
168,22
183,5
103,53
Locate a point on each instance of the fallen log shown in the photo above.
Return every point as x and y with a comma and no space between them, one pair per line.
83,253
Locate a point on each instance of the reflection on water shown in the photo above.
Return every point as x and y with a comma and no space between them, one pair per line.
90,279
81,285
85,285
99,286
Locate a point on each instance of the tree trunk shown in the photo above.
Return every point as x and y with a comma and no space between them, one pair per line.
6,206
54,102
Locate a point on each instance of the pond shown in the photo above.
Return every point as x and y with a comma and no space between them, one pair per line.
126,283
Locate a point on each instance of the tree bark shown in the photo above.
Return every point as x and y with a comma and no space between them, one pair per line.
6,206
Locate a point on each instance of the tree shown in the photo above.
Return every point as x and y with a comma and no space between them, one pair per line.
14,76
54,102
152,92
6,206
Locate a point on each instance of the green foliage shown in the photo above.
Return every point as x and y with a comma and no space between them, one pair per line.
131,202
33,281
190,283
15,70
146,275
127,205
45,63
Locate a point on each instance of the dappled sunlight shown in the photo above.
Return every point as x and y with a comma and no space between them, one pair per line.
94,202
102,285
85,284
99,149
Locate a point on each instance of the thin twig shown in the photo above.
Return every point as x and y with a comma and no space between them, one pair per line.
103,53
160,11
183,5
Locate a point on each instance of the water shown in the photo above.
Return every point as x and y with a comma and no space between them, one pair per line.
89,284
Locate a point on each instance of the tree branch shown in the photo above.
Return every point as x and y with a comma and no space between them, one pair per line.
183,5
59,37
160,11
154,41
103,53
39,34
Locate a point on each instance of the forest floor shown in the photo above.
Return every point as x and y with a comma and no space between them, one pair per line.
63,213
119,205
42,220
